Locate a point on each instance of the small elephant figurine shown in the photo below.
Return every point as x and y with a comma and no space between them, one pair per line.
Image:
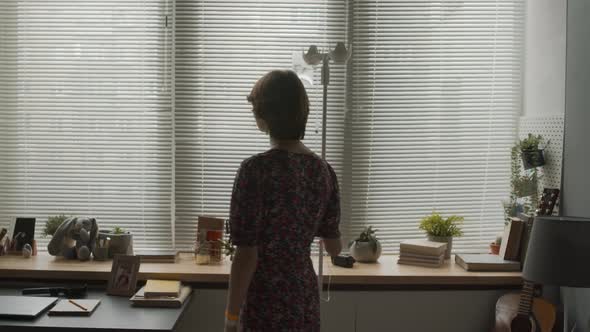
74,238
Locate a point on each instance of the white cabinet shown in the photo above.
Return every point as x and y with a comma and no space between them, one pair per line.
368,311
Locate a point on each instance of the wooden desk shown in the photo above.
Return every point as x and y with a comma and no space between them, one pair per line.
114,314
385,273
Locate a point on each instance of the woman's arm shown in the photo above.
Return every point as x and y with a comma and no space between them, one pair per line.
242,270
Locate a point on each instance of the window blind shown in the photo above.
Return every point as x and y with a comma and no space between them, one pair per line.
435,96
222,48
85,118
422,120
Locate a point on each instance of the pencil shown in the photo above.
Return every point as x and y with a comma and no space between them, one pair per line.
77,305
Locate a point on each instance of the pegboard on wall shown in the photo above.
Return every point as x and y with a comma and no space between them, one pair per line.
551,128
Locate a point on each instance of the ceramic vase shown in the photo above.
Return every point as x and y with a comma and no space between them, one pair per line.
364,252
445,239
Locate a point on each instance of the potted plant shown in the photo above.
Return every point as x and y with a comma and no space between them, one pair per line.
366,248
531,152
495,246
117,240
441,229
524,187
53,224
228,249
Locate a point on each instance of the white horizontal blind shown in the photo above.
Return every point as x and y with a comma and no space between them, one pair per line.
436,90
222,48
85,120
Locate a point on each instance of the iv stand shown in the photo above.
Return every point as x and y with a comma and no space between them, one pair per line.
313,57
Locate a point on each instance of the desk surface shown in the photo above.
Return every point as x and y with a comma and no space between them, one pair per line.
113,314
385,272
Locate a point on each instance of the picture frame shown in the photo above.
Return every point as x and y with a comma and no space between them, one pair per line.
123,279
209,236
21,232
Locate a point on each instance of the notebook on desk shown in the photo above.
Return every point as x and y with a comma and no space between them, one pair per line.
74,308
24,307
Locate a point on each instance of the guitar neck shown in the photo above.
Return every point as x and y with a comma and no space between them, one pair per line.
526,298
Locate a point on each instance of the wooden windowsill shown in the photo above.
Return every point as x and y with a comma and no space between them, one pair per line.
385,273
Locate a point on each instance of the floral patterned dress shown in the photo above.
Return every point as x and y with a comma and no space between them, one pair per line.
281,200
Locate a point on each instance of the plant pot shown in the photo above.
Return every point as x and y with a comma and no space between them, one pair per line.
526,187
445,239
119,244
364,252
494,249
100,254
532,158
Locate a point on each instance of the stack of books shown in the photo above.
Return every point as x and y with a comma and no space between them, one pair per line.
161,293
422,253
157,256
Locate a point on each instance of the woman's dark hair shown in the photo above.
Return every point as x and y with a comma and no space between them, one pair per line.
279,99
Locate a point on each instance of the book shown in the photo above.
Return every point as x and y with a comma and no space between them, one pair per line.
155,288
486,262
423,258
526,233
511,240
419,263
74,307
139,299
423,247
157,256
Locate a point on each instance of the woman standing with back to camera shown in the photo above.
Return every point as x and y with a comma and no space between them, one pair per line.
281,200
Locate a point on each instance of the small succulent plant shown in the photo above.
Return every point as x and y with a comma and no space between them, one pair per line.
118,230
367,235
498,240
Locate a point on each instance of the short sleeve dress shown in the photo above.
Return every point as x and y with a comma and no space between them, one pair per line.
281,200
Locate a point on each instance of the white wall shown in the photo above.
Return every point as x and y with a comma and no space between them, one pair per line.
576,180
544,63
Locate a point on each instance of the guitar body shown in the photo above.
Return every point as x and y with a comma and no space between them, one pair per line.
522,323
542,318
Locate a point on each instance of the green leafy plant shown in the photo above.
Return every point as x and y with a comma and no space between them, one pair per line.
436,225
367,235
531,142
523,184
118,230
53,224
228,248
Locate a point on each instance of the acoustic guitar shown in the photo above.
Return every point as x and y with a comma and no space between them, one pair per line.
524,312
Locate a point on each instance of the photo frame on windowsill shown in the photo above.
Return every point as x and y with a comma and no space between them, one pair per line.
123,279
21,232
209,236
